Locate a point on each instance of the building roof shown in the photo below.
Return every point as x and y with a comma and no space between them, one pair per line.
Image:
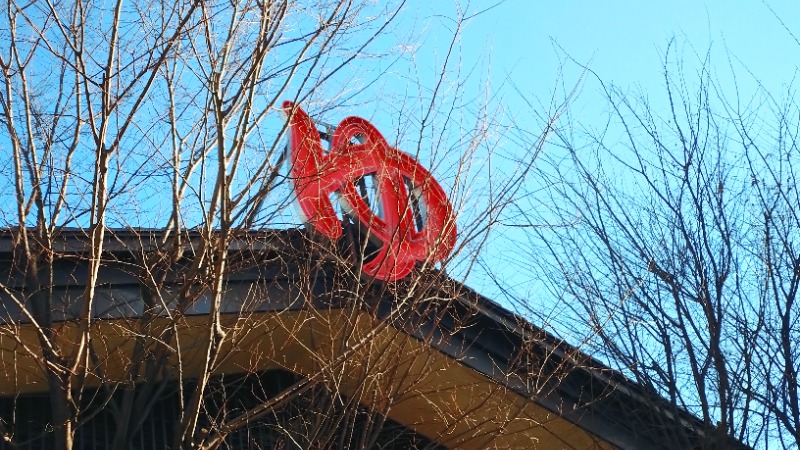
457,367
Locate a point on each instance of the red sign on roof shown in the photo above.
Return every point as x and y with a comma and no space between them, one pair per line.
406,192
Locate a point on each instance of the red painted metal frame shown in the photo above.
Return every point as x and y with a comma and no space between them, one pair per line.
316,175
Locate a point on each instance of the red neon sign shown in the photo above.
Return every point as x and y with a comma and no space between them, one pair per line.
316,175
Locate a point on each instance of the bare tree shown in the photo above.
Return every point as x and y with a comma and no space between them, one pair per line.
105,106
671,239
144,177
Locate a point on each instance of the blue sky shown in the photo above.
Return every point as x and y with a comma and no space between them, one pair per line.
538,49
622,41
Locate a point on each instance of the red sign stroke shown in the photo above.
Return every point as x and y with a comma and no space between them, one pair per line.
357,150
